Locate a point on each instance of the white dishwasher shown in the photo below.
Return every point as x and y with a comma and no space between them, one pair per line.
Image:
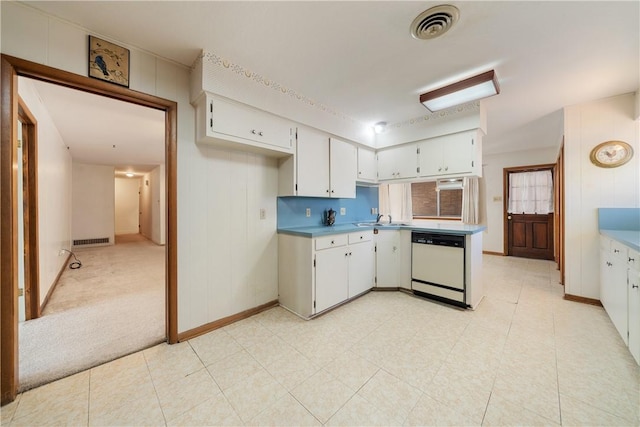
438,267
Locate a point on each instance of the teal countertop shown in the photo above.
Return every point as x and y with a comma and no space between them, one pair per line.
630,238
430,226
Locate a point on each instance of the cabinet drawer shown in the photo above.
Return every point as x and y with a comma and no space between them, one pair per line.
365,236
331,241
633,259
618,250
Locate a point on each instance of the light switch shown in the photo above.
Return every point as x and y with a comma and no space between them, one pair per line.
497,198
263,213
343,211
308,212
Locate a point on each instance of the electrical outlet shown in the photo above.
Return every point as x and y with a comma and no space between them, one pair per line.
308,212
497,198
263,213
343,211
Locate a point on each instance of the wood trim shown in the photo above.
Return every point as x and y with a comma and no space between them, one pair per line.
30,202
8,233
212,326
55,283
583,300
11,68
462,84
561,222
493,253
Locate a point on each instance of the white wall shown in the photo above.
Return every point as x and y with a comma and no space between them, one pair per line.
589,187
492,211
93,207
127,211
54,190
226,254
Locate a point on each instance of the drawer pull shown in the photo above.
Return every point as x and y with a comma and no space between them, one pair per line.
616,251
634,286
631,259
609,264
333,242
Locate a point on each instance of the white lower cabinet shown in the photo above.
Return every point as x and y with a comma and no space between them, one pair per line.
318,273
332,270
620,290
388,258
613,287
634,314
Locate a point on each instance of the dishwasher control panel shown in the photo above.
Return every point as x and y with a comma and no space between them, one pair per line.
437,239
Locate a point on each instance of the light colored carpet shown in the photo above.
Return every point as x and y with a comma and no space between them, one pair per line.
114,305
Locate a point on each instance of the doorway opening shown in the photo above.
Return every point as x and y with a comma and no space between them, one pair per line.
12,68
529,218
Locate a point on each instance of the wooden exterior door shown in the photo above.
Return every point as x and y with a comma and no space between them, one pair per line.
531,236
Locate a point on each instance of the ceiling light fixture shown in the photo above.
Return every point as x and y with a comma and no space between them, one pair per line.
379,127
130,175
471,89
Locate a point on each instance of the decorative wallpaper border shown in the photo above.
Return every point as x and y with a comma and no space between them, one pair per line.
238,69
464,108
214,59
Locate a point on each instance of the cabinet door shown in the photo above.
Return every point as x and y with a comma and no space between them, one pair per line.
361,268
457,153
398,162
332,272
430,158
387,258
613,295
634,313
343,163
313,163
272,130
230,118
367,167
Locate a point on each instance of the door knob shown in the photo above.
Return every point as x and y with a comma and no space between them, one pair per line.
509,217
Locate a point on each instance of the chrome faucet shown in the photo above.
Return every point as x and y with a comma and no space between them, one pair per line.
379,217
389,219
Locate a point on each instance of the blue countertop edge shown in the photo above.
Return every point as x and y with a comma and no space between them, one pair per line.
630,238
318,231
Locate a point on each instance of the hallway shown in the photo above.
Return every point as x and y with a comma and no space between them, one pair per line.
113,305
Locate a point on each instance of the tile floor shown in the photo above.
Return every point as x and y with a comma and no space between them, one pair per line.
525,357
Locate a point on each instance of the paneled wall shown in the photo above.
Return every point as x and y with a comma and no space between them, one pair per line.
226,254
54,190
589,187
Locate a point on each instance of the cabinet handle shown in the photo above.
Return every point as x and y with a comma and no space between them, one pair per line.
260,133
332,242
616,251
350,254
446,168
609,264
332,191
361,237
634,286
327,191
439,169
631,259
346,254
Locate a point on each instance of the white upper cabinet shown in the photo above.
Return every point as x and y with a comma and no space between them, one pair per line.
324,167
312,163
455,154
228,123
367,167
343,168
398,162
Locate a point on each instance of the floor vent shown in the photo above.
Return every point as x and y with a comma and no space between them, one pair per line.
98,241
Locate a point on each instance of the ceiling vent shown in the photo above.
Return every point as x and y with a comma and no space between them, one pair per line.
434,22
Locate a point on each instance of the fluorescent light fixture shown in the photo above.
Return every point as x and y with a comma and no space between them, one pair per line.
379,127
130,175
471,89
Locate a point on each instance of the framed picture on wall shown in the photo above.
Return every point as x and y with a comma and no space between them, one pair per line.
108,61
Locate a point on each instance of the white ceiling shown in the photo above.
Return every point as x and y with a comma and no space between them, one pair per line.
104,131
359,58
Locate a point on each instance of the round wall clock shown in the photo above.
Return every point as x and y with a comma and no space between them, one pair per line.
611,154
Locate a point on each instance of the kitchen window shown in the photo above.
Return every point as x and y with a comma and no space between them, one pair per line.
437,199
